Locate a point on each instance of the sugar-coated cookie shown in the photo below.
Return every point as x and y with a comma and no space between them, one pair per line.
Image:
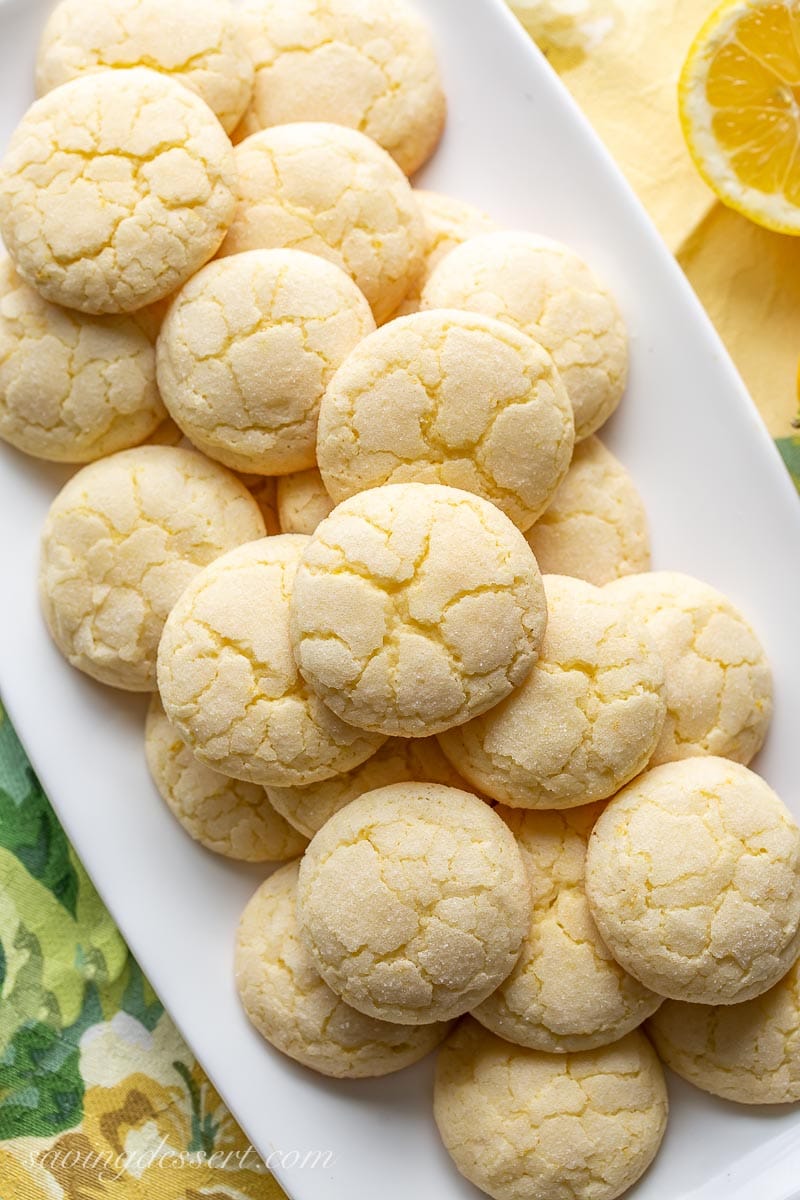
548,292
416,607
399,760
448,397
303,501
330,191
595,527
115,189
225,815
197,42
229,682
414,902
524,1125
291,1006
566,992
72,387
368,64
584,721
121,541
296,313
264,490
749,1053
718,680
448,223
693,878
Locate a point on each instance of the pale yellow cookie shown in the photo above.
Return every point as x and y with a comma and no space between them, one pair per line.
399,760
584,721
332,192
291,1006
247,350
197,42
115,188
524,1125
225,815
121,541
264,490
72,387
718,680
167,434
303,501
547,291
566,992
749,1053
452,398
229,682
369,64
693,878
414,903
448,223
416,607
595,527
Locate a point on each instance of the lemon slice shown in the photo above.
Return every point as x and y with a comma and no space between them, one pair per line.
740,108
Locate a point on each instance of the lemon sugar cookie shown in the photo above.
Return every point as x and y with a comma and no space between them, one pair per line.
121,541
290,1005
303,501
595,527
229,682
264,490
584,721
294,312
197,42
225,815
115,189
749,1053
368,64
332,192
452,398
72,387
448,223
566,992
524,1125
547,291
416,607
693,878
414,903
718,680
399,760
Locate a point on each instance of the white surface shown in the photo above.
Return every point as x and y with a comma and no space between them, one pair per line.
721,507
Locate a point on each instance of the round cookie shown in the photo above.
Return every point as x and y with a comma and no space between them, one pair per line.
115,189
749,1053
584,721
264,490
718,680
547,291
414,902
524,1125
399,760
296,313
332,192
452,398
416,607
693,879
595,527
122,539
225,815
448,223
229,682
292,1007
368,64
566,992
303,501
197,42
72,388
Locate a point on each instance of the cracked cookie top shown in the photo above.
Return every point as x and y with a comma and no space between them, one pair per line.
303,501
414,902
416,607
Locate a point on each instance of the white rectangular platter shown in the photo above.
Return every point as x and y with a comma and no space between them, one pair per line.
720,505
